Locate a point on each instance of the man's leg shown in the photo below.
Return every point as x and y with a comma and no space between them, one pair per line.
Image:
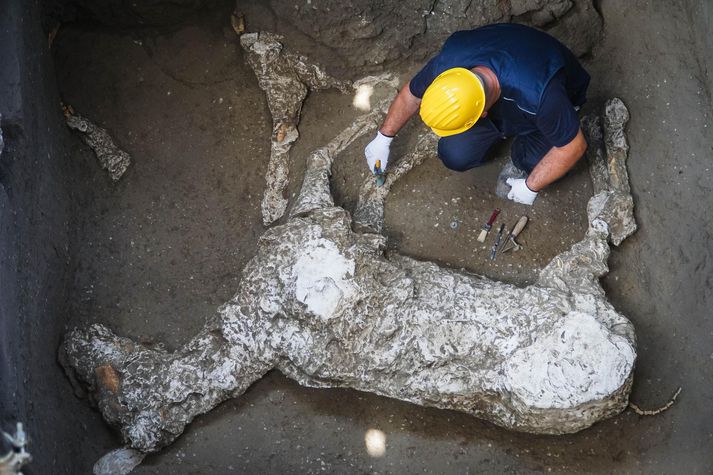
468,149
528,150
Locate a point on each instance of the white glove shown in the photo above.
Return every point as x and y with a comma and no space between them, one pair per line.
378,149
519,192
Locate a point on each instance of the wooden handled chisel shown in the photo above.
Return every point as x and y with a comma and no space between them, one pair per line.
510,242
488,225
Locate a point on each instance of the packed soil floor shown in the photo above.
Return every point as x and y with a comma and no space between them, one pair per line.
163,248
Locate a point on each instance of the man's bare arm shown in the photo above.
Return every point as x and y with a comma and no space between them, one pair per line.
556,163
401,110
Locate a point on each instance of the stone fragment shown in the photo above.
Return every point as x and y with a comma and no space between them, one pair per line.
325,306
118,462
110,156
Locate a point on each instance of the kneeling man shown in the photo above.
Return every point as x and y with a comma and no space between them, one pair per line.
489,84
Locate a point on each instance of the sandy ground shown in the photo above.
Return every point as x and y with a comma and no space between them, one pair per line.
165,247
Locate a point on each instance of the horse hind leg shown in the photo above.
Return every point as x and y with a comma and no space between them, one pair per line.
151,394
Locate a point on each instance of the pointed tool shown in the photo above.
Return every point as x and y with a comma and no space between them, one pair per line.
487,226
510,243
380,174
494,249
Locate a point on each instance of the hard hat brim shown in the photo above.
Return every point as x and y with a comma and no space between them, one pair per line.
448,133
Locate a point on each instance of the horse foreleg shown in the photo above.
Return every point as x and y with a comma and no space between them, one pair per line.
369,212
315,192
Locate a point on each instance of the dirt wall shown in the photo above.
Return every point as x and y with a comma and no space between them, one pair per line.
38,186
701,12
364,35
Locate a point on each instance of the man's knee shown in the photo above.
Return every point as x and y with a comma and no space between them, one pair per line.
459,159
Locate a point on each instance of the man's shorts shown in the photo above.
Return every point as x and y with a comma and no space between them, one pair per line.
469,149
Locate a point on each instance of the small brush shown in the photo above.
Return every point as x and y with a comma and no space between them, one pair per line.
487,226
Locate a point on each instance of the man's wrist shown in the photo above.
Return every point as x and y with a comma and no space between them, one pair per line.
527,185
387,133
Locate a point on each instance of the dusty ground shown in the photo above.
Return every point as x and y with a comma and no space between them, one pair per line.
165,246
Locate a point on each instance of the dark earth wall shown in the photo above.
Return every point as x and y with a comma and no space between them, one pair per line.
365,35
38,186
702,21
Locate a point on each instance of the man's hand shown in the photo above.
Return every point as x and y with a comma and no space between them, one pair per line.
401,110
378,149
519,192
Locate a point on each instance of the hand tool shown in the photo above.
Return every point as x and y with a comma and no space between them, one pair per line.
487,226
510,243
380,175
494,249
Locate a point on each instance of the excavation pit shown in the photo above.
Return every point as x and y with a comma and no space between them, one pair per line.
157,252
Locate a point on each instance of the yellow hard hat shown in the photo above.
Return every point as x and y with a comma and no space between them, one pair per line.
453,102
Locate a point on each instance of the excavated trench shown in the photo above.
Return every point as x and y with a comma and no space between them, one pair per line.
153,254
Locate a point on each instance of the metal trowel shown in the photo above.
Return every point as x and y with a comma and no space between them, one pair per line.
510,243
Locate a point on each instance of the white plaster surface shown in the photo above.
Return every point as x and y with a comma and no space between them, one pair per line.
323,278
557,370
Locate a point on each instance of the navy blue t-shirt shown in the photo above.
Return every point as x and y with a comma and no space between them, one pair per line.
556,118
540,79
